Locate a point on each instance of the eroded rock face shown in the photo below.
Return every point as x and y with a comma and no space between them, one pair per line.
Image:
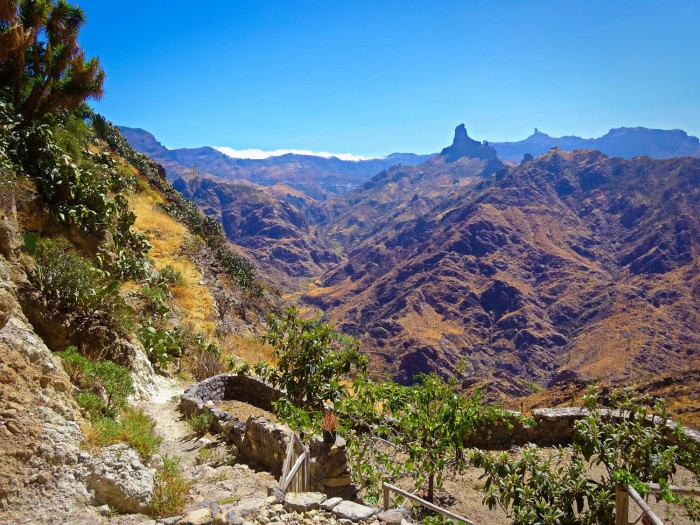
40,436
118,478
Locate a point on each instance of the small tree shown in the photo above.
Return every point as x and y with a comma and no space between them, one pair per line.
40,60
311,358
426,422
627,439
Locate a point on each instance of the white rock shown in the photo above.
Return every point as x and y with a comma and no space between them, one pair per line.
303,501
118,478
197,517
330,503
353,511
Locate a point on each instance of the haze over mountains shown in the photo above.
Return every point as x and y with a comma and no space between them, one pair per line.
619,142
569,266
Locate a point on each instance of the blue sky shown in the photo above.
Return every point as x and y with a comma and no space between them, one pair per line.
375,77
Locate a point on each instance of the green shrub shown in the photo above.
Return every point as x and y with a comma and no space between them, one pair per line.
156,304
134,428
72,285
312,359
200,423
92,405
116,383
627,441
162,346
170,494
105,385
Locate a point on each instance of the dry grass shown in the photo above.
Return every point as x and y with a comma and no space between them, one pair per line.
249,348
429,325
192,300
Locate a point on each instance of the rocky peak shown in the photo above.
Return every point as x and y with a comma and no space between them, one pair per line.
464,146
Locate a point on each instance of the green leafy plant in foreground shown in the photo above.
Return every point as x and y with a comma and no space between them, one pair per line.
312,359
133,427
161,345
200,423
627,439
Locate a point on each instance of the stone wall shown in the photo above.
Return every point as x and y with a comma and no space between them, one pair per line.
262,441
553,426
250,390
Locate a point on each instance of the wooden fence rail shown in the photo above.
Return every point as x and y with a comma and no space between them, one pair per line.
386,488
649,517
295,471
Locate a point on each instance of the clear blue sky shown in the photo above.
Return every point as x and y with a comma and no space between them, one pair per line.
376,77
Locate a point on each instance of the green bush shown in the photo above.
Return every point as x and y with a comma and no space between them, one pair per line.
70,284
133,427
105,385
161,345
156,302
627,440
170,494
156,292
200,423
312,359
93,407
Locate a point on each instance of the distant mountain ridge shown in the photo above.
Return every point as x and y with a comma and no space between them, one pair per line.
318,177
618,142
322,178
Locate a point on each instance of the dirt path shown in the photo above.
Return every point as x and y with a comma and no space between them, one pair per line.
216,474
162,407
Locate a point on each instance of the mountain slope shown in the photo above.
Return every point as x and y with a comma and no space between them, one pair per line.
573,265
273,225
400,194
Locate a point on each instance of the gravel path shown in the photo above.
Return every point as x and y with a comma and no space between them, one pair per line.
176,435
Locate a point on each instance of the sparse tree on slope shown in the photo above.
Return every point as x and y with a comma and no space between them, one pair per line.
41,64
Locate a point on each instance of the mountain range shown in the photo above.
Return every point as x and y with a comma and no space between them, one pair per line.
572,266
619,142
318,177
322,178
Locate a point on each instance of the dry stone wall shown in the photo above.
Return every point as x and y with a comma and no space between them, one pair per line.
262,441
553,426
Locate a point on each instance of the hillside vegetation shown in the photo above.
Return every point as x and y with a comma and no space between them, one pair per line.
103,263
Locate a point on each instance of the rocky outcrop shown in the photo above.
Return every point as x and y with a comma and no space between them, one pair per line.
464,146
118,478
39,422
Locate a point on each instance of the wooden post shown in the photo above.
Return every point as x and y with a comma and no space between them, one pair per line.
622,499
386,497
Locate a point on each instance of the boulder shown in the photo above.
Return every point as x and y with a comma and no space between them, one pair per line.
244,507
329,504
353,511
390,517
303,501
118,478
